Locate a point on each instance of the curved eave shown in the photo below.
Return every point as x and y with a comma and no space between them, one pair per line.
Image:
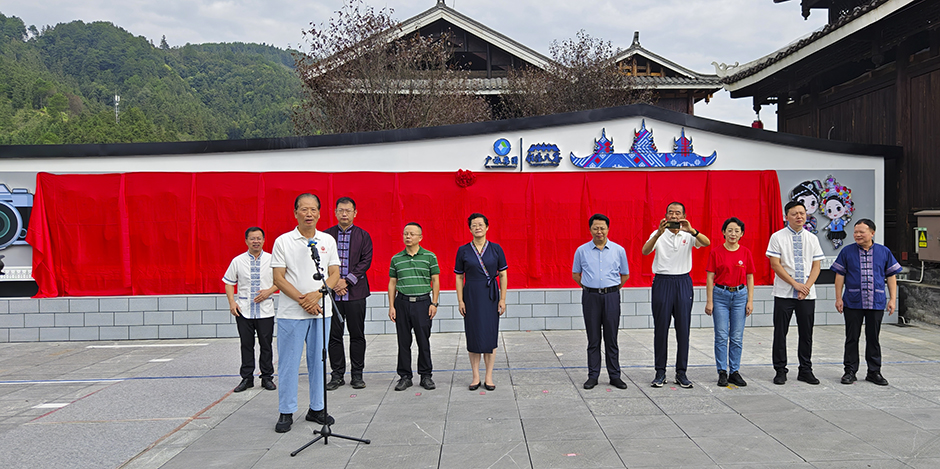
791,58
142,150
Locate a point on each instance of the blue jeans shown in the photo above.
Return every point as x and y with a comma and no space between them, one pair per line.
729,314
291,335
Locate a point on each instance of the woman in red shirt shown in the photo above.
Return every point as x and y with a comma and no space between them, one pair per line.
729,285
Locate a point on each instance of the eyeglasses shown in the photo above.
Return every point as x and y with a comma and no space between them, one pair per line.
345,211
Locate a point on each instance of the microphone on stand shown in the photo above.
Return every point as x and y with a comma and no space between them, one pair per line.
312,244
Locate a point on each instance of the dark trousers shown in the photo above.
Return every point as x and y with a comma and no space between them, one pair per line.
246,333
413,316
355,314
602,314
671,299
805,316
853,329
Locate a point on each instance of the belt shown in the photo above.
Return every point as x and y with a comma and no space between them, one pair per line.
603,290
417,298
739,287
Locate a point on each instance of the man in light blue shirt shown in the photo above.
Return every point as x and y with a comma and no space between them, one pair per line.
600,268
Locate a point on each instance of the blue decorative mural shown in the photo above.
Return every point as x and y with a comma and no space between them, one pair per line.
643,153
543,154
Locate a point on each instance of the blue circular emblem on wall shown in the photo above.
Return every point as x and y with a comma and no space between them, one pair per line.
502,147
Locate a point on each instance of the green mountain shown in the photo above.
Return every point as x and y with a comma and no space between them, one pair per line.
58,85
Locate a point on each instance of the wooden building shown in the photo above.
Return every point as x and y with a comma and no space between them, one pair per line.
871,75
490,55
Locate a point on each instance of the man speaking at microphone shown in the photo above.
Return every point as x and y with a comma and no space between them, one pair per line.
300,316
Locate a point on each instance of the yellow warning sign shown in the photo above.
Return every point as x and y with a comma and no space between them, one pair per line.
922,239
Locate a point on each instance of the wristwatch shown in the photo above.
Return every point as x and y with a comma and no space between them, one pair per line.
434,305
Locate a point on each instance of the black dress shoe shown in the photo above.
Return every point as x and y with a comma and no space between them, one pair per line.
876,378
268,383
320,416
848,378
335,383
618,383
781,377
722,378
245,384
403,383
427,383
474,387
489,387
590,383
737,380
807,377
357,383
284,422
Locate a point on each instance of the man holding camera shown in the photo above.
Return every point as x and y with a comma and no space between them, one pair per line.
672,288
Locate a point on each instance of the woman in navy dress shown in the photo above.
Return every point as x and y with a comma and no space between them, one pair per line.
481,298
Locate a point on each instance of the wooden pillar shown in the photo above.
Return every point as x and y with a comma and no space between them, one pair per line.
902,234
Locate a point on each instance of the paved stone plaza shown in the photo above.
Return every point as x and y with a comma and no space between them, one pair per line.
169,404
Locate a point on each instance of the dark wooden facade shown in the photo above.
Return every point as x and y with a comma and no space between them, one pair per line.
878,86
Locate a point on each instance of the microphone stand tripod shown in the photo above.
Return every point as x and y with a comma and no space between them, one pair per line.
325,433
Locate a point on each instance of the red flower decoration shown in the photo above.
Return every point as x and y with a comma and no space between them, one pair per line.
465,178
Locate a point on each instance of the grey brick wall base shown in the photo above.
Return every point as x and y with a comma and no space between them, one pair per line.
207,316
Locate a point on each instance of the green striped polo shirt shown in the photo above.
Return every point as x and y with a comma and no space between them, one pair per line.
414,272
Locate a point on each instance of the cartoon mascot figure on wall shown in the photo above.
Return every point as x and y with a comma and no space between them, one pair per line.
807,192
838,208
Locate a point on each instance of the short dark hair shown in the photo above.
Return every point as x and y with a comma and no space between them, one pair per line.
253,228
345,200
303,196
731,220
676,203
791,204
866,221
474,216
599,216
413,223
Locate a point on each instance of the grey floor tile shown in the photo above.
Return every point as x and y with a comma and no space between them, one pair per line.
484,430
752,449
625,406
619,427
216,458
829,446
691,405
926,418
495,455
574,428
715,425
660,452
575,454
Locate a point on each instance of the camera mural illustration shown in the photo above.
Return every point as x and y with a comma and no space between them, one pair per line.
15,208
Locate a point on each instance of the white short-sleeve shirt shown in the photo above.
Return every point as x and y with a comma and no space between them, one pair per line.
797,251
673,252
251,274
292,252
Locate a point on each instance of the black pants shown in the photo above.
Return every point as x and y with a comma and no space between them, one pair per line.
413,317
853,329
602,316
355,314
805,316
246,333
671,298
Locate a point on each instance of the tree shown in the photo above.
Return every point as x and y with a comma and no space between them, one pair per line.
358,77
582,75
163,44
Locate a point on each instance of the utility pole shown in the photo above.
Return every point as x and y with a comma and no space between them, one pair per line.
117,102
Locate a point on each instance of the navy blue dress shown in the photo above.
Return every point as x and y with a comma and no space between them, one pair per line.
481,296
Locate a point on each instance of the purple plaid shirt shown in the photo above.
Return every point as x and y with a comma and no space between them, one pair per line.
865,273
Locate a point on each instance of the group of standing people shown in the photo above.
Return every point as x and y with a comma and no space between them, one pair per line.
306,262
863,270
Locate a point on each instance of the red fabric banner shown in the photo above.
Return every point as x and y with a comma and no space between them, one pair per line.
175,233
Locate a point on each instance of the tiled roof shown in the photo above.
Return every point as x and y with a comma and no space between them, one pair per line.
753,67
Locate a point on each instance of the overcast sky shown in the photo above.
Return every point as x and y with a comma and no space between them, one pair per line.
692,33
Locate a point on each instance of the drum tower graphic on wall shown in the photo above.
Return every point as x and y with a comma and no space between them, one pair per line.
643,153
